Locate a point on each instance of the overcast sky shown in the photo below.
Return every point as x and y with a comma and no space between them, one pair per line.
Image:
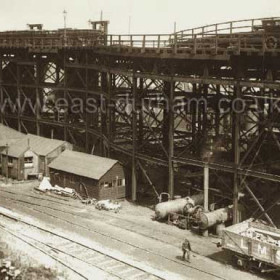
147,16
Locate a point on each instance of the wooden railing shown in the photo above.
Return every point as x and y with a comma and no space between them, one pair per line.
234,36
230,27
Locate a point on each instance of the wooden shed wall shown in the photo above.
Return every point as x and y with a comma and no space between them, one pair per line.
94,188
112,176
64,179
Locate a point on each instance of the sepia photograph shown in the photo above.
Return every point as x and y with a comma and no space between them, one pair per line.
139,140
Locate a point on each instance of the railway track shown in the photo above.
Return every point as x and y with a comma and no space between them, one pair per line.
127,224
42,210
68,251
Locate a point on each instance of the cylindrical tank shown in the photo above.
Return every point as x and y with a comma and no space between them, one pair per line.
209,219
163,209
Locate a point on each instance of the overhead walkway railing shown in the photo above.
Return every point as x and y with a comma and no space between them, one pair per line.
230,37
230,27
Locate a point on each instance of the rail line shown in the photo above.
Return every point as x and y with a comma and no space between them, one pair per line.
25,203
67,247
129,226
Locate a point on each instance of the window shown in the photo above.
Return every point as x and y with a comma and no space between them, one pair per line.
10,161
107,185
119,182
28,160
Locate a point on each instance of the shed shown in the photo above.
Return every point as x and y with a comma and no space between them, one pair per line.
90,175
8,136
30,156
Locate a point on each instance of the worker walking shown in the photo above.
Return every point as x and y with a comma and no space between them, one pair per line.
186,248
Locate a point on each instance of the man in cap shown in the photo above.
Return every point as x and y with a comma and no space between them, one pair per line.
186,248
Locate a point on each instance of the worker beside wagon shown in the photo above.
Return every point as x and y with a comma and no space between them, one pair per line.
186,248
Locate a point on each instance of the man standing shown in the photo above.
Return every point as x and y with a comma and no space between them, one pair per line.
186,248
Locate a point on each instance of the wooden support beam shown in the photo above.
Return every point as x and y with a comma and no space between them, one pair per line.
134,140
87,119
171,141
1,91
259,205
18,96
38,94
103,111
148,178
236,157
110,113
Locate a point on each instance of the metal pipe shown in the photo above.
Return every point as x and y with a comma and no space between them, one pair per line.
206,188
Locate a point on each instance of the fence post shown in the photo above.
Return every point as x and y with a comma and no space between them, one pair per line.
143,44
175,43
194,45
239,44
216,44
158,43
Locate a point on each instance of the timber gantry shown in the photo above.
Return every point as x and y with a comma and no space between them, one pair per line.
165,105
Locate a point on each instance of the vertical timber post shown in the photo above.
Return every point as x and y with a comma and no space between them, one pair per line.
171,142
1,91
206,188
65,97
86,106
110,108
141,116
104,111
38,102
206,193
236,155
134,138
194,121
18,96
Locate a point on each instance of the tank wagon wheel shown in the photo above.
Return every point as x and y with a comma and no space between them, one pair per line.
271,43
243,263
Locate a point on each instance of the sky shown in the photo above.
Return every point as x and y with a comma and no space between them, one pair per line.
146,16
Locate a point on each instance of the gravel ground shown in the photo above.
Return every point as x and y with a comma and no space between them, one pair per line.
156,245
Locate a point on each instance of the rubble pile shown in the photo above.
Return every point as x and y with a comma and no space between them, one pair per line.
108,205
261,236
46,186
9,272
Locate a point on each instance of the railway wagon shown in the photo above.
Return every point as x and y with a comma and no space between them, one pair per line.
254,246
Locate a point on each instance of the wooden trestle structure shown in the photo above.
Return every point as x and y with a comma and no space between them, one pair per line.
168,105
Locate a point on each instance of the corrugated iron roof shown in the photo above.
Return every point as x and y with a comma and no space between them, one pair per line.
9,135
40,145
82,164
